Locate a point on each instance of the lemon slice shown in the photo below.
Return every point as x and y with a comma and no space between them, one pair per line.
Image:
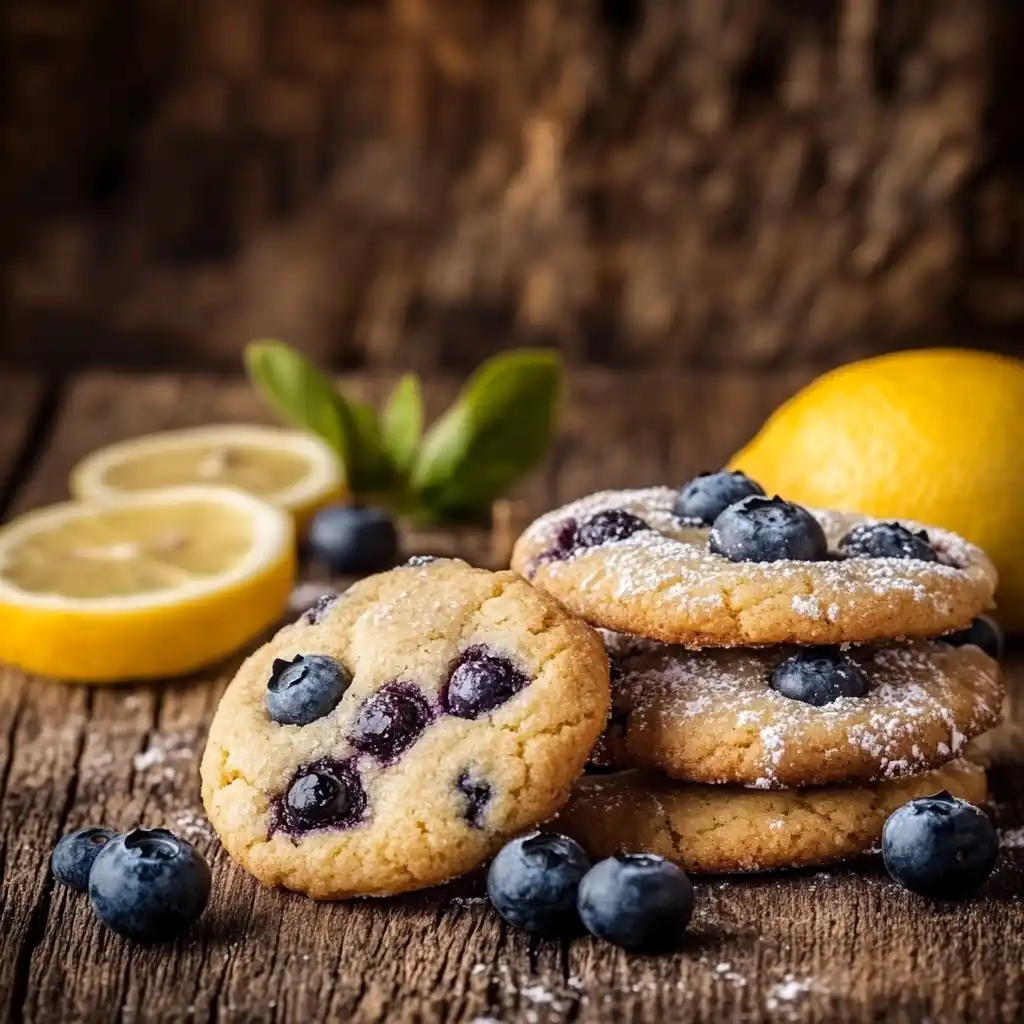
145,586
287,468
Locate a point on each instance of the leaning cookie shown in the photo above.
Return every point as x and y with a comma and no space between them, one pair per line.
397,736
720,829
765,572
784,717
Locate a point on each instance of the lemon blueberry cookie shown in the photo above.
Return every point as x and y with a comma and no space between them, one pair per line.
396,736
783,717
719,564
721,829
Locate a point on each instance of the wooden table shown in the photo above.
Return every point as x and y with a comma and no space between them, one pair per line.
836,945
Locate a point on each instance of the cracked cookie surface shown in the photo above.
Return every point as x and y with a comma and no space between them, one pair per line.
714,717
665,582
721,829
470,704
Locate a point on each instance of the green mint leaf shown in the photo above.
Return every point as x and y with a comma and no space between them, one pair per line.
401,422
305,397
499,427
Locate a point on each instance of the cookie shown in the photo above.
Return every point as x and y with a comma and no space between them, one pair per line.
641,569
716,716
446,709
721,829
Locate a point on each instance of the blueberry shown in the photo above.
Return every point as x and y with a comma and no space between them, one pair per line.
149,885
477,793
605,527
304,689
983,632
564,543
390,721
818,676
353,540
480,682
416,561
323,605
939,846
759,529
637,901
708,495
534,880
887,540
74,854
325,794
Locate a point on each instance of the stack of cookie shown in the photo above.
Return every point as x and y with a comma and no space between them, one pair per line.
783,678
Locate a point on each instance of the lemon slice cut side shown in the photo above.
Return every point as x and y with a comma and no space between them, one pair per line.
146,586
287,468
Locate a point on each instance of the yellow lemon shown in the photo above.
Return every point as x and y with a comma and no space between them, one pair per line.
934,435
288,468
144,586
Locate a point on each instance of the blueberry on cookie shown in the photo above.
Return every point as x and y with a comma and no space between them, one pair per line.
304,688
480,682
760,529
708,495
819,676
983,632
887,540
609,526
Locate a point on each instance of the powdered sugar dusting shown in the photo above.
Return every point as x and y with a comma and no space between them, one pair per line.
679,710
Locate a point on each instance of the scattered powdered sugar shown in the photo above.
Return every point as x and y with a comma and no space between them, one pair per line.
1012,839
809,606
788,991
164,748
192,825
925,700
726,972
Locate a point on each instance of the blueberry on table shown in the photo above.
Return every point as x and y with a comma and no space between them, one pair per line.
304,689
983,632
390,721
637,901
480,681
149,885
818,676
940,846
534,881
759,529
606,527
708,495
74,854
353,540
887,540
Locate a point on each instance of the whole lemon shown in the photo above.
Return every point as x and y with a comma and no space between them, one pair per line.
935,435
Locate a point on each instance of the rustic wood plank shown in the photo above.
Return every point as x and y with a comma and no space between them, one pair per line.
21,406
839,945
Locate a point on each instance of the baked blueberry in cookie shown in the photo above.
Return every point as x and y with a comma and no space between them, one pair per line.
432,715
477,794
608,526
304,688
480,682
323,605
819,676
390,721
760,529
327,794
887,540
708,495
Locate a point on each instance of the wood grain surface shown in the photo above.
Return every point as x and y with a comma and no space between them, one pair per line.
844,944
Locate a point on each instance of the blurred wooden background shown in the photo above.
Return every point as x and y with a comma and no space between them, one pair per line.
420,182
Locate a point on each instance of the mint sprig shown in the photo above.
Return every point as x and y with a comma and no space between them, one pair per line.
498,428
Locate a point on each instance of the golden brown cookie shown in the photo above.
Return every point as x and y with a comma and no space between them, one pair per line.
714,716
399,735
721,829
665,582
